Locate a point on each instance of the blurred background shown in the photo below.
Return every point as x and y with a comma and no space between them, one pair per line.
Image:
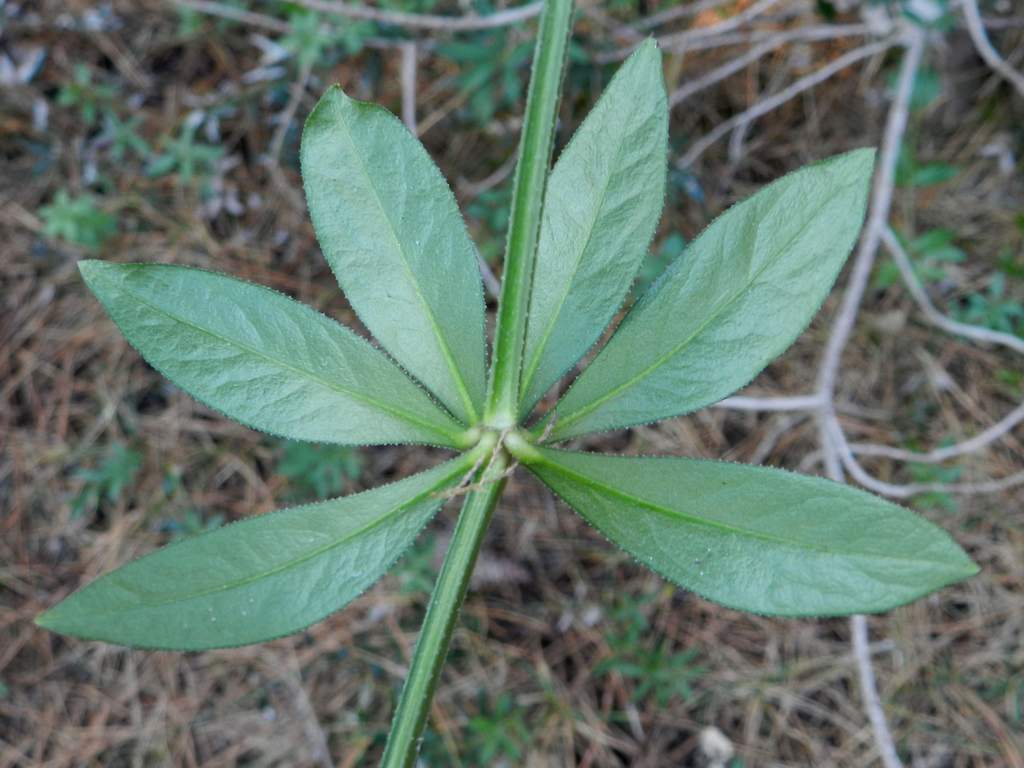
168,131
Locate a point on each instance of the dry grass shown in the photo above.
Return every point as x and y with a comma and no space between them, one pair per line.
552,600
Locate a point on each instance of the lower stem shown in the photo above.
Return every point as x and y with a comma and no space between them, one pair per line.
442,615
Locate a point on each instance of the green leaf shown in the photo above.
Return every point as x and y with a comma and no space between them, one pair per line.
602,205
262,578
737,297
264,359
757,539
390,229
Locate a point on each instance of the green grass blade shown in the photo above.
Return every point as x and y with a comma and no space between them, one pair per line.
603,202
264,359
262,578
757,539
732,302
389,226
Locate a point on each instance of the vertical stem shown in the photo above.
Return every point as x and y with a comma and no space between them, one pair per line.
442,614
527,205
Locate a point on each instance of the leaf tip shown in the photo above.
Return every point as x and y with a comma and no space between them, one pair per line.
89,268
48,619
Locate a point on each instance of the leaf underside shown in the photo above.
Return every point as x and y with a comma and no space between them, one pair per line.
757,539
733,301
264,359
389,227
258,579
602,204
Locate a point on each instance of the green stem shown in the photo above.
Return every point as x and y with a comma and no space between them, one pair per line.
442,614
527,206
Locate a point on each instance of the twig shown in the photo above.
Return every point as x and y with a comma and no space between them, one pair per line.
678,12
869,688
932,315
839,444
805,34
682,40
786,403
491,283
831,435
878,215
467,23
976,29
726,25
774,102
234,13
408,78
285,120
938,455
314,731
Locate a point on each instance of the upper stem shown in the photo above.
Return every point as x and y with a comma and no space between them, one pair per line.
527,206
442,615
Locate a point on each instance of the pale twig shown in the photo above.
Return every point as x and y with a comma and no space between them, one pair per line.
932,315
472,189
881,203
408,81
774,102
679,39
678,12
773,404
841,446
878,216
467,23
683,40
868,685
976,29
233,13
491,283
805,34
286,117
938,455
314,731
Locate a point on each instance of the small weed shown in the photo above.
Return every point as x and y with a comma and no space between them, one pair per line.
655,670
491,68
185,155
123,138
934,473
500,730
77,220
92,99
657,260
910,172
105,483
192,523
319,471
930,255
993,308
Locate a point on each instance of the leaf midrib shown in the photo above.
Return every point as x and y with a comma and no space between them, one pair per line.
713,524
457,469
326,383
446,353
660,361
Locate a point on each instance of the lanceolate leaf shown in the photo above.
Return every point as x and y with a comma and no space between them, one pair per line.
262,578
733,301
602,205
264,359
757,539
390,229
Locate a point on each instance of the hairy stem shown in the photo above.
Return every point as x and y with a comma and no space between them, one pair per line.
527,205
442,614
